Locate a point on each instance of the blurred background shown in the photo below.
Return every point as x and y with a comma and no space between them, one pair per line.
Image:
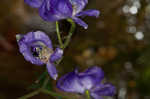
118,41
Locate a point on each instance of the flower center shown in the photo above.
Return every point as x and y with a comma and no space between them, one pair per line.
35,51
43,53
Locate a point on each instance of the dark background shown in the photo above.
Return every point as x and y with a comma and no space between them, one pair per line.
118,41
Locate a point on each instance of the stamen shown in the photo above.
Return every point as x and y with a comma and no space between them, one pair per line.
45,54
41,51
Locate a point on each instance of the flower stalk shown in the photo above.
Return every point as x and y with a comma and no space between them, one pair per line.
87,94
45,82
58,35
72,29
53,93
30,94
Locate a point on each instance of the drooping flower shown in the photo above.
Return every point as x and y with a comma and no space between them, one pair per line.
54,10
36,47
90,80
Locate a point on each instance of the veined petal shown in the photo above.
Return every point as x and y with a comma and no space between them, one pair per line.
56,55
104,90
80,22
52,70
34,3
90,12
70,83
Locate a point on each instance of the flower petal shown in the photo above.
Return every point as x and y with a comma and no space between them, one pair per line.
80,22
78,5
70,83
90,12
24,49
64,7
91,77
87,81
49,14
38,36
96,72
34,3
56,55
52,70
104,90
55,10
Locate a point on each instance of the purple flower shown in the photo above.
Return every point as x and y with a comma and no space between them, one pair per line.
54,10
36,48
90,80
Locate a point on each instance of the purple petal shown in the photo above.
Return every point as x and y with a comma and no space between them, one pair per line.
96,72
89,13
80,22
91,77
38,36
64,7
52,70
70,83
49,14
25,50
34,3
56,55
87,81
30,58
78,5
55,10
104,90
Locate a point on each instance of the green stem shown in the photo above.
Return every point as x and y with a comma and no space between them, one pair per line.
73,25
30,94
41,76
53,93
87,94
58,34
45,82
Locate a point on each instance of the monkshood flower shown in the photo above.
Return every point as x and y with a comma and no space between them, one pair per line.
90,79
54,10
36,47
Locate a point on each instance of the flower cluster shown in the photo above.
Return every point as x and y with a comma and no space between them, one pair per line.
90,79
36,47
54,10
